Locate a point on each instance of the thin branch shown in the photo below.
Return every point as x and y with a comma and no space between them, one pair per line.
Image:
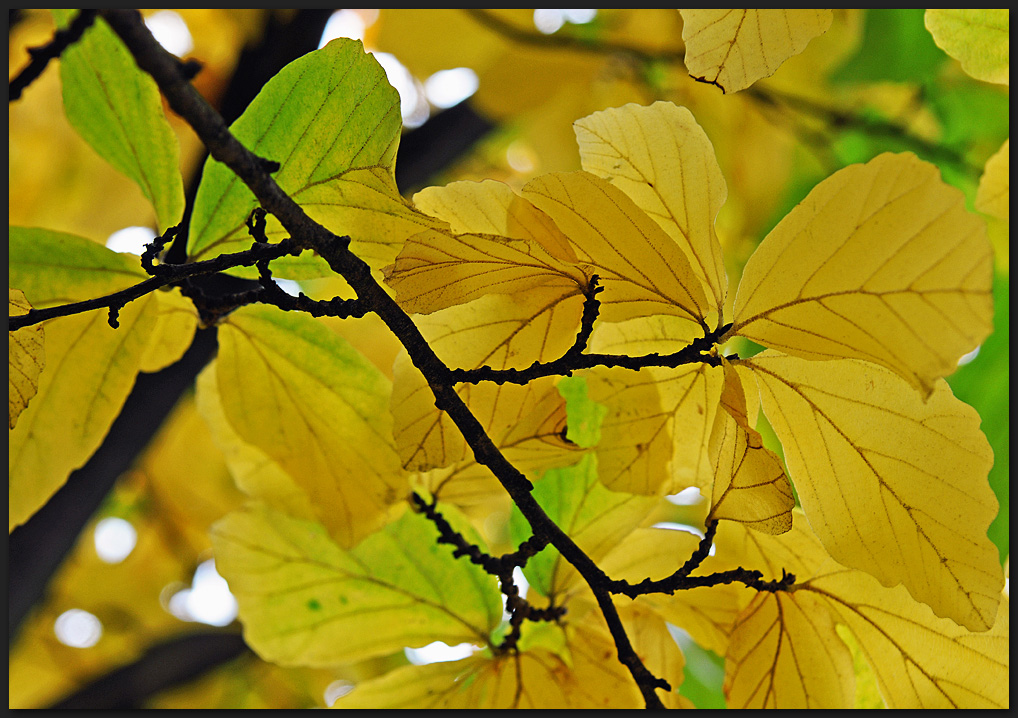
41,56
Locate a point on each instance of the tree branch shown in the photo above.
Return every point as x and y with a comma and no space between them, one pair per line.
40,56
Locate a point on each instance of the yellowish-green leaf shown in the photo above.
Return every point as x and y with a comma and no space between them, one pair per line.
994,194
176,323
662,159
118,110
497,331
26,356
437,269
750,485
594,517
920,660
491,207
734,48
656,649
332,121
891,484
318,408
253,471
643,271
880,262
90,367
785,653
979,39
304,600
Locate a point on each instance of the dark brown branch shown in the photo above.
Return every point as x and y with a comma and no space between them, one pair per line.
210,127
41,56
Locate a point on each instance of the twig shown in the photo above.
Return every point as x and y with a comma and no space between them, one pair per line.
41,56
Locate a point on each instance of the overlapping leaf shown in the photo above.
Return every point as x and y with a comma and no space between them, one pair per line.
26,356
332,121
735,48
880,262
750,485
117,109
304,600
662,159
314,405
891,484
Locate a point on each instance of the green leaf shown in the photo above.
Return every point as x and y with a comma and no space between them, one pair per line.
332,121
117,109
306,601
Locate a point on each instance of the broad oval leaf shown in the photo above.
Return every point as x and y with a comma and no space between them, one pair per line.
979,39
643,271
880,262
734,48
304,600
662,159
891,484
26,356
994,194
318,408
332,121
750,485
118,110
785,653
920,660
176,323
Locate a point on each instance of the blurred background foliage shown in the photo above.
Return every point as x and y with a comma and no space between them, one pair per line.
135,615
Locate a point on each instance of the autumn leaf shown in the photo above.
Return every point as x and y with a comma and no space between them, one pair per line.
72,411
314,405
176,323
118,110
304,600
880,262
994,194
734,48
332,121
662,159
979,39
750,485
26,356
891,484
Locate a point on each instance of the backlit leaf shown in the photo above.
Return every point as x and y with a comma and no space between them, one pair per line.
662,159
314,405
642,269
735,48
785,653
891,484
750,485
994,194
880,262
118,110
920,660
71,413
304,600
26,356
175,326
979,39
332,121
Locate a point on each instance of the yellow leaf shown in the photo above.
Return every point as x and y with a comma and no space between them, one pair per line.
734,48
491,207
643,271
90,370
920,660
26,356
306,601
662,159
891,484
994,194
175,326
979,39
497,331
880,262
785,653
317,408
656,649
254,472
750,485
437,269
